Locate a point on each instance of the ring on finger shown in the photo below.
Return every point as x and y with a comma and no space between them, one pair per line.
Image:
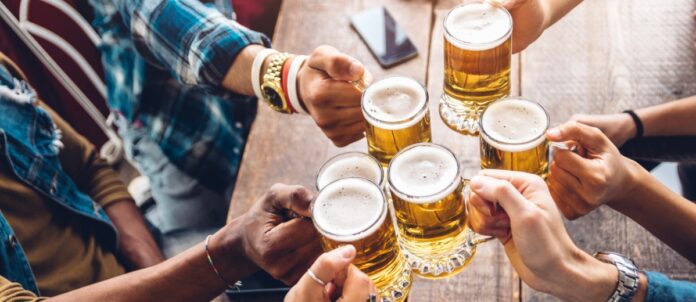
315,278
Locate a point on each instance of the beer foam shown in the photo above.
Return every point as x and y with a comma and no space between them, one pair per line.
394,103
349,209
478,26
514,125
424,173
350,165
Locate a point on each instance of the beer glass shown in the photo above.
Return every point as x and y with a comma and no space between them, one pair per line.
350,164
429,204
513,136
397,115
355,211
478,52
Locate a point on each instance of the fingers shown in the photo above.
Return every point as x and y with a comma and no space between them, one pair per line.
294,198
346,135
303,257
331,264
337,65
573,163
589,137
483,222
357,286
292,234
518,179
327,93
502,192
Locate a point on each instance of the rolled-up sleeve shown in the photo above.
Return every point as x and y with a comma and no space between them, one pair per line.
192,40
13,292
661,288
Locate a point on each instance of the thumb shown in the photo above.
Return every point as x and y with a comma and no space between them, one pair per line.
587,136
336,64
501,192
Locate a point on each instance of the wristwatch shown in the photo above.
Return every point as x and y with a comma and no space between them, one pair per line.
628,275
272,88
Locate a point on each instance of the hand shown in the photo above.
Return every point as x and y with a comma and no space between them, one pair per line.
599,174
618,127
529,18
345,282
540,249
274,235
334,103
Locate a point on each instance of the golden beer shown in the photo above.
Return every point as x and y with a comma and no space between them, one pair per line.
478,52
513,137
397,115
350,164
426,190
355,211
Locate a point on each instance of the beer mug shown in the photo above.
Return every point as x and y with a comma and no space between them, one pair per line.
350,164
513,136
429,201
478,55
397,115
355,211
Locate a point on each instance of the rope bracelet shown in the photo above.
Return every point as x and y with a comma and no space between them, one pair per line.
212,265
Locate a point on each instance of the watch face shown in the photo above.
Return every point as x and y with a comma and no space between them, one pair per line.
273,97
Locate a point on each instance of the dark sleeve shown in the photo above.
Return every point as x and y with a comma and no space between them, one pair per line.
661,288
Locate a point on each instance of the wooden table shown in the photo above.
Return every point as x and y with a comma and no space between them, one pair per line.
605,56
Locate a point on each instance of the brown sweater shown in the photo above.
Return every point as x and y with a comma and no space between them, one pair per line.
63,252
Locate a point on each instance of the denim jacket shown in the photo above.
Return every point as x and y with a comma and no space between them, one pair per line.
29,146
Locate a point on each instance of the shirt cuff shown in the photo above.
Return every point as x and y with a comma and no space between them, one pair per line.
661,288
220,48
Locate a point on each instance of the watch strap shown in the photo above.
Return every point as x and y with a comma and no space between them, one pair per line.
628,276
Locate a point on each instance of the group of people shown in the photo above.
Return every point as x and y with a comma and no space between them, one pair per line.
185,93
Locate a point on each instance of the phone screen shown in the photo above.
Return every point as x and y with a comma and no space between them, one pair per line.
386,39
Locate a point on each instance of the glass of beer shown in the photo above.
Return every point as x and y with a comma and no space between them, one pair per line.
430,208
513,136
397,115
350,164
478,52
355,211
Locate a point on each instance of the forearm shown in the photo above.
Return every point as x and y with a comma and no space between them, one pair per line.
665,214
186,277
555,10
137,248
672,118
238,77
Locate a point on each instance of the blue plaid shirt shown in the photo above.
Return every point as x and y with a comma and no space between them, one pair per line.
164,61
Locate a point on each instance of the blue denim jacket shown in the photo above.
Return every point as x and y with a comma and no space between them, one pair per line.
29,146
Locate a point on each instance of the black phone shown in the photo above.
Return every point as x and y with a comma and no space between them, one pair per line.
386,39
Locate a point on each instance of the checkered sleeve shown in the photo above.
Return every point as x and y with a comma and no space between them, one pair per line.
195,42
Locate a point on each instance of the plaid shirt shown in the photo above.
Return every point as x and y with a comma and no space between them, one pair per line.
164,61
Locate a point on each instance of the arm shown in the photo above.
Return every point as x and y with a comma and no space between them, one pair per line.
667,215
532,17
263,238
94,177
671,118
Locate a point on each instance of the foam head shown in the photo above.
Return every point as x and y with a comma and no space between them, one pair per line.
349,209
478,26
394,103
351,164
424,173
514,125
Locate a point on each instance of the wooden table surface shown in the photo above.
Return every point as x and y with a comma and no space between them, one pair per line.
603,57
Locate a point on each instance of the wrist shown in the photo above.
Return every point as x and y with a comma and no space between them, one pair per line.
588,279
635,175
227,249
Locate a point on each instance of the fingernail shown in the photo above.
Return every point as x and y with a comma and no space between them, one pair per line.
554,132
348,251
356,68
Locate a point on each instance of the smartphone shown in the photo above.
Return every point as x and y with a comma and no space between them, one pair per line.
385,38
